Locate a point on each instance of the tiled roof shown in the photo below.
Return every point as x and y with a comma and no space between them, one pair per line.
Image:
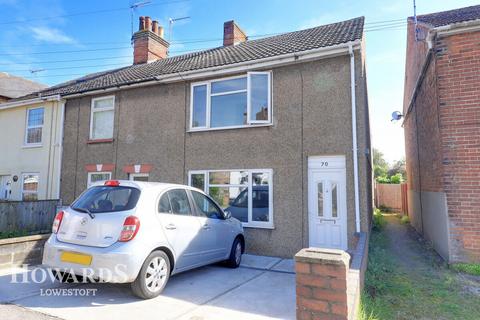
14,87
444,18
292,42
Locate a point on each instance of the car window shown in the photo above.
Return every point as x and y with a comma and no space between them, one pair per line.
206,206
107,199
260,198
164,204
179,202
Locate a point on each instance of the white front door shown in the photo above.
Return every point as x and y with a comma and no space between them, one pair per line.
327,202
5,187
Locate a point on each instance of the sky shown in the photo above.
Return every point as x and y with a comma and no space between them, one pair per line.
52,41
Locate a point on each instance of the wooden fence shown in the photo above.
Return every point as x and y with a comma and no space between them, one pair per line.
27,216
392,196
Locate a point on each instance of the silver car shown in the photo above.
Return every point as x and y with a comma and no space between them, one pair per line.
141,233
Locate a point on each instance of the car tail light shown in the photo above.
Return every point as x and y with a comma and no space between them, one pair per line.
112,183
57,221
130,229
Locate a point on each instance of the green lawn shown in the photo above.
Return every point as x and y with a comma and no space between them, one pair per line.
405,280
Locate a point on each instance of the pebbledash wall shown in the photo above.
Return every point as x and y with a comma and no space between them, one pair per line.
442,131
311,116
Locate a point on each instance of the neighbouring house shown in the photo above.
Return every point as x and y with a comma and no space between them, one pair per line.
12,87
31,148
264,126
442,130
30,142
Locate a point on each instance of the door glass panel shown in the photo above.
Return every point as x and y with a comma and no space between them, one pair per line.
320,199
206,206
260,196
179,202
334,200
228,177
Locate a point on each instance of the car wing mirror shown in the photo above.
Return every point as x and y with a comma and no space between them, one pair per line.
227,214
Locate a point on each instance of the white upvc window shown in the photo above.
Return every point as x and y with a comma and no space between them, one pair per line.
30,186
246,194
138,176
34,126
102,117
233,102
98,176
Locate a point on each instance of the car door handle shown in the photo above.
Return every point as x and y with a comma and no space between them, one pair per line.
170,226
206,226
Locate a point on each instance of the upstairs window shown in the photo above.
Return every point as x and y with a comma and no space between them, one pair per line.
34,128
232,102
101,121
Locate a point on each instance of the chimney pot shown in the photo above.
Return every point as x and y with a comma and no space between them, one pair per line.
155,26
141,25
148,23
233,34
160,31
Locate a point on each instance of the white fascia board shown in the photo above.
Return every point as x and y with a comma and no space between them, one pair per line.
456,28
14,104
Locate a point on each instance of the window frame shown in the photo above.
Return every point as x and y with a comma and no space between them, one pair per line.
33,144
249,186
23,184
250,123
93,111
131,176
89,176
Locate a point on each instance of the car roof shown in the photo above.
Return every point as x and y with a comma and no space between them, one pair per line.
142,185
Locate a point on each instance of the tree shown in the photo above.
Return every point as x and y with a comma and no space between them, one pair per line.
398,167
380,165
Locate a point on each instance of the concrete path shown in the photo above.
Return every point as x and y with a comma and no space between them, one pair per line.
262,288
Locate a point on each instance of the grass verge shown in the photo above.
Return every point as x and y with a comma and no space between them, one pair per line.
470,268
411,285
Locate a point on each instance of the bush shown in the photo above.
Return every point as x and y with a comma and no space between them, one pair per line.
378,220
404,220
397,178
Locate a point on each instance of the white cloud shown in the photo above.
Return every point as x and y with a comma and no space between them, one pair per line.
47,34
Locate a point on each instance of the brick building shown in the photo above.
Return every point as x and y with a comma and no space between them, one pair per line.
442,130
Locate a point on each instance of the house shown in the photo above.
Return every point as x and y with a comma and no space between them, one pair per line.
13,87
264,126
30,142
442,130
31,149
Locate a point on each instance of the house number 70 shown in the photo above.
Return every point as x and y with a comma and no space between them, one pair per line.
324,164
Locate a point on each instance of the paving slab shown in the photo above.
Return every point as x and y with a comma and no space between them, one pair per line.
286,265
269,296
259,262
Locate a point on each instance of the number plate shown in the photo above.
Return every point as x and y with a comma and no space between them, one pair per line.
78,258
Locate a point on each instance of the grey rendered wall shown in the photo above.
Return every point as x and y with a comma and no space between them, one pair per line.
311,116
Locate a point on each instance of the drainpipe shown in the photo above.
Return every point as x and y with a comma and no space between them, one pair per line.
354,138
60,146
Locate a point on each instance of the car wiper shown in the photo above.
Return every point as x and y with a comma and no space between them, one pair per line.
85,210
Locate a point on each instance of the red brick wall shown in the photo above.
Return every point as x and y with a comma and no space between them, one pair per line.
458,72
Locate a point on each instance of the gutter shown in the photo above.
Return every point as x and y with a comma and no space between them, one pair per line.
8,105
354,138
275,61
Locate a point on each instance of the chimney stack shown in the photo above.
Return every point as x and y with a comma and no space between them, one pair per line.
148,42
233,34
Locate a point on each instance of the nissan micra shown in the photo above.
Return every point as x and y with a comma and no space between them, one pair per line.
141,233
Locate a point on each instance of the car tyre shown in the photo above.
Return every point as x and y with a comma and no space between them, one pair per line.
153,276
235,254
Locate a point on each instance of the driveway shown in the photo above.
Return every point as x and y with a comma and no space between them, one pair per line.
262,288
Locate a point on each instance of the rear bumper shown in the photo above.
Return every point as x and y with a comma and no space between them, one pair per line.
117,263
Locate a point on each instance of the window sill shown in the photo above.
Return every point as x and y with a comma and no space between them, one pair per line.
30,146
253,226
230,128
100,141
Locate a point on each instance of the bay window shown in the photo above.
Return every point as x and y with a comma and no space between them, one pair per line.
246,194
231,102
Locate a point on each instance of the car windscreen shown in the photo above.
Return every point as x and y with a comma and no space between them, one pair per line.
107,199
